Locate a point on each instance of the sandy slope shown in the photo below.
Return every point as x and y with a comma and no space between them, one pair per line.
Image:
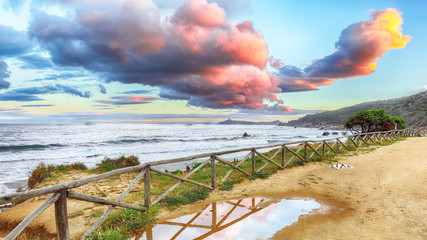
383,197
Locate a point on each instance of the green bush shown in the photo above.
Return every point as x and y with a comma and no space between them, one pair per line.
109,164
260,174
227,185
40,173
78,166
186,197
108,235
68,167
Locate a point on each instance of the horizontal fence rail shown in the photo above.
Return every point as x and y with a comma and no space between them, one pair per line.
298,151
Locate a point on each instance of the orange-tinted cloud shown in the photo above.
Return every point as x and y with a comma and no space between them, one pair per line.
356,52
244,44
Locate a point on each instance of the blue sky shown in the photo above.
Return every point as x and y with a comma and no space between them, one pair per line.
198,61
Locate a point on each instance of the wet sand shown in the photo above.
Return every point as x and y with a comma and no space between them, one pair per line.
383,197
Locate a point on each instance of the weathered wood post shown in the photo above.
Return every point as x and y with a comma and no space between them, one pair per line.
323,149
61,217
147,187
305,151
338,144
213,173
283,156
253,161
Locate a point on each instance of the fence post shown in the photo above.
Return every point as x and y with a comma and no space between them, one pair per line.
283,156
253,161
147,187
323,149
213,173
338,144
61,217
305,151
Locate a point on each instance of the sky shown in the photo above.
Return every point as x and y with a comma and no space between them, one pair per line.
204,61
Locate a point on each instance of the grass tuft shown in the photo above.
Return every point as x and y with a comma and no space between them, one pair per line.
227,185
186,197
40,173
109,164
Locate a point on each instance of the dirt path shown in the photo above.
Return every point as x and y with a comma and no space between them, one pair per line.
383,197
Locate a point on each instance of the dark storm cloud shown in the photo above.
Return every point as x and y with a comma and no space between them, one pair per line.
102,89
61,76
35,61
13,43
141,91
4,73
30,93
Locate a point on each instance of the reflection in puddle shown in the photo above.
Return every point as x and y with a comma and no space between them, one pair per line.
249,218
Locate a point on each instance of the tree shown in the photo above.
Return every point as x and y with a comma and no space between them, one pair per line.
374,120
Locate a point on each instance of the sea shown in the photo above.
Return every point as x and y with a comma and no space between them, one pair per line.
24,146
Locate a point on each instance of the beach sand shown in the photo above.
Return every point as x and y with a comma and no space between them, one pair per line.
383,197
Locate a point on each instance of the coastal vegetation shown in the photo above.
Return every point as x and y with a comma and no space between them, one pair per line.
374,120
43,171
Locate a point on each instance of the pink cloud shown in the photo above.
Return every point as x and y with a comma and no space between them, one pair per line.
200,13
195,21
244,44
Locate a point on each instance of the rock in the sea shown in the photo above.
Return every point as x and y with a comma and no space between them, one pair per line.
334,133
326,133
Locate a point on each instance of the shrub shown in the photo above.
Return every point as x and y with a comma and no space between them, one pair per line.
186,197
40,173
227,185
78,166
107,235
260,174
109,164
68,167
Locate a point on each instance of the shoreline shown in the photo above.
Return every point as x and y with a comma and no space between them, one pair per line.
382,192
18,178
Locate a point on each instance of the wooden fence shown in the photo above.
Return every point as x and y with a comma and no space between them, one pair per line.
301,151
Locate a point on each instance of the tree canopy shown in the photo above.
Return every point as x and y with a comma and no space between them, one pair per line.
374,120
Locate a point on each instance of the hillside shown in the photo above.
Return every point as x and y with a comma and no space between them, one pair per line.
413,109
234,122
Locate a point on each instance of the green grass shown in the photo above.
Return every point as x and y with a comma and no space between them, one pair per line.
185,197
122,223
40,173
43,172
109,164
227,185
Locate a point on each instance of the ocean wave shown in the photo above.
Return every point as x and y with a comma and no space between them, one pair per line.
16,148
157,140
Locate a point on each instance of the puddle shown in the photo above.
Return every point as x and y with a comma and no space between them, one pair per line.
249,218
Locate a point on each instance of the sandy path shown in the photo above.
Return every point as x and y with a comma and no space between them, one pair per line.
383,197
